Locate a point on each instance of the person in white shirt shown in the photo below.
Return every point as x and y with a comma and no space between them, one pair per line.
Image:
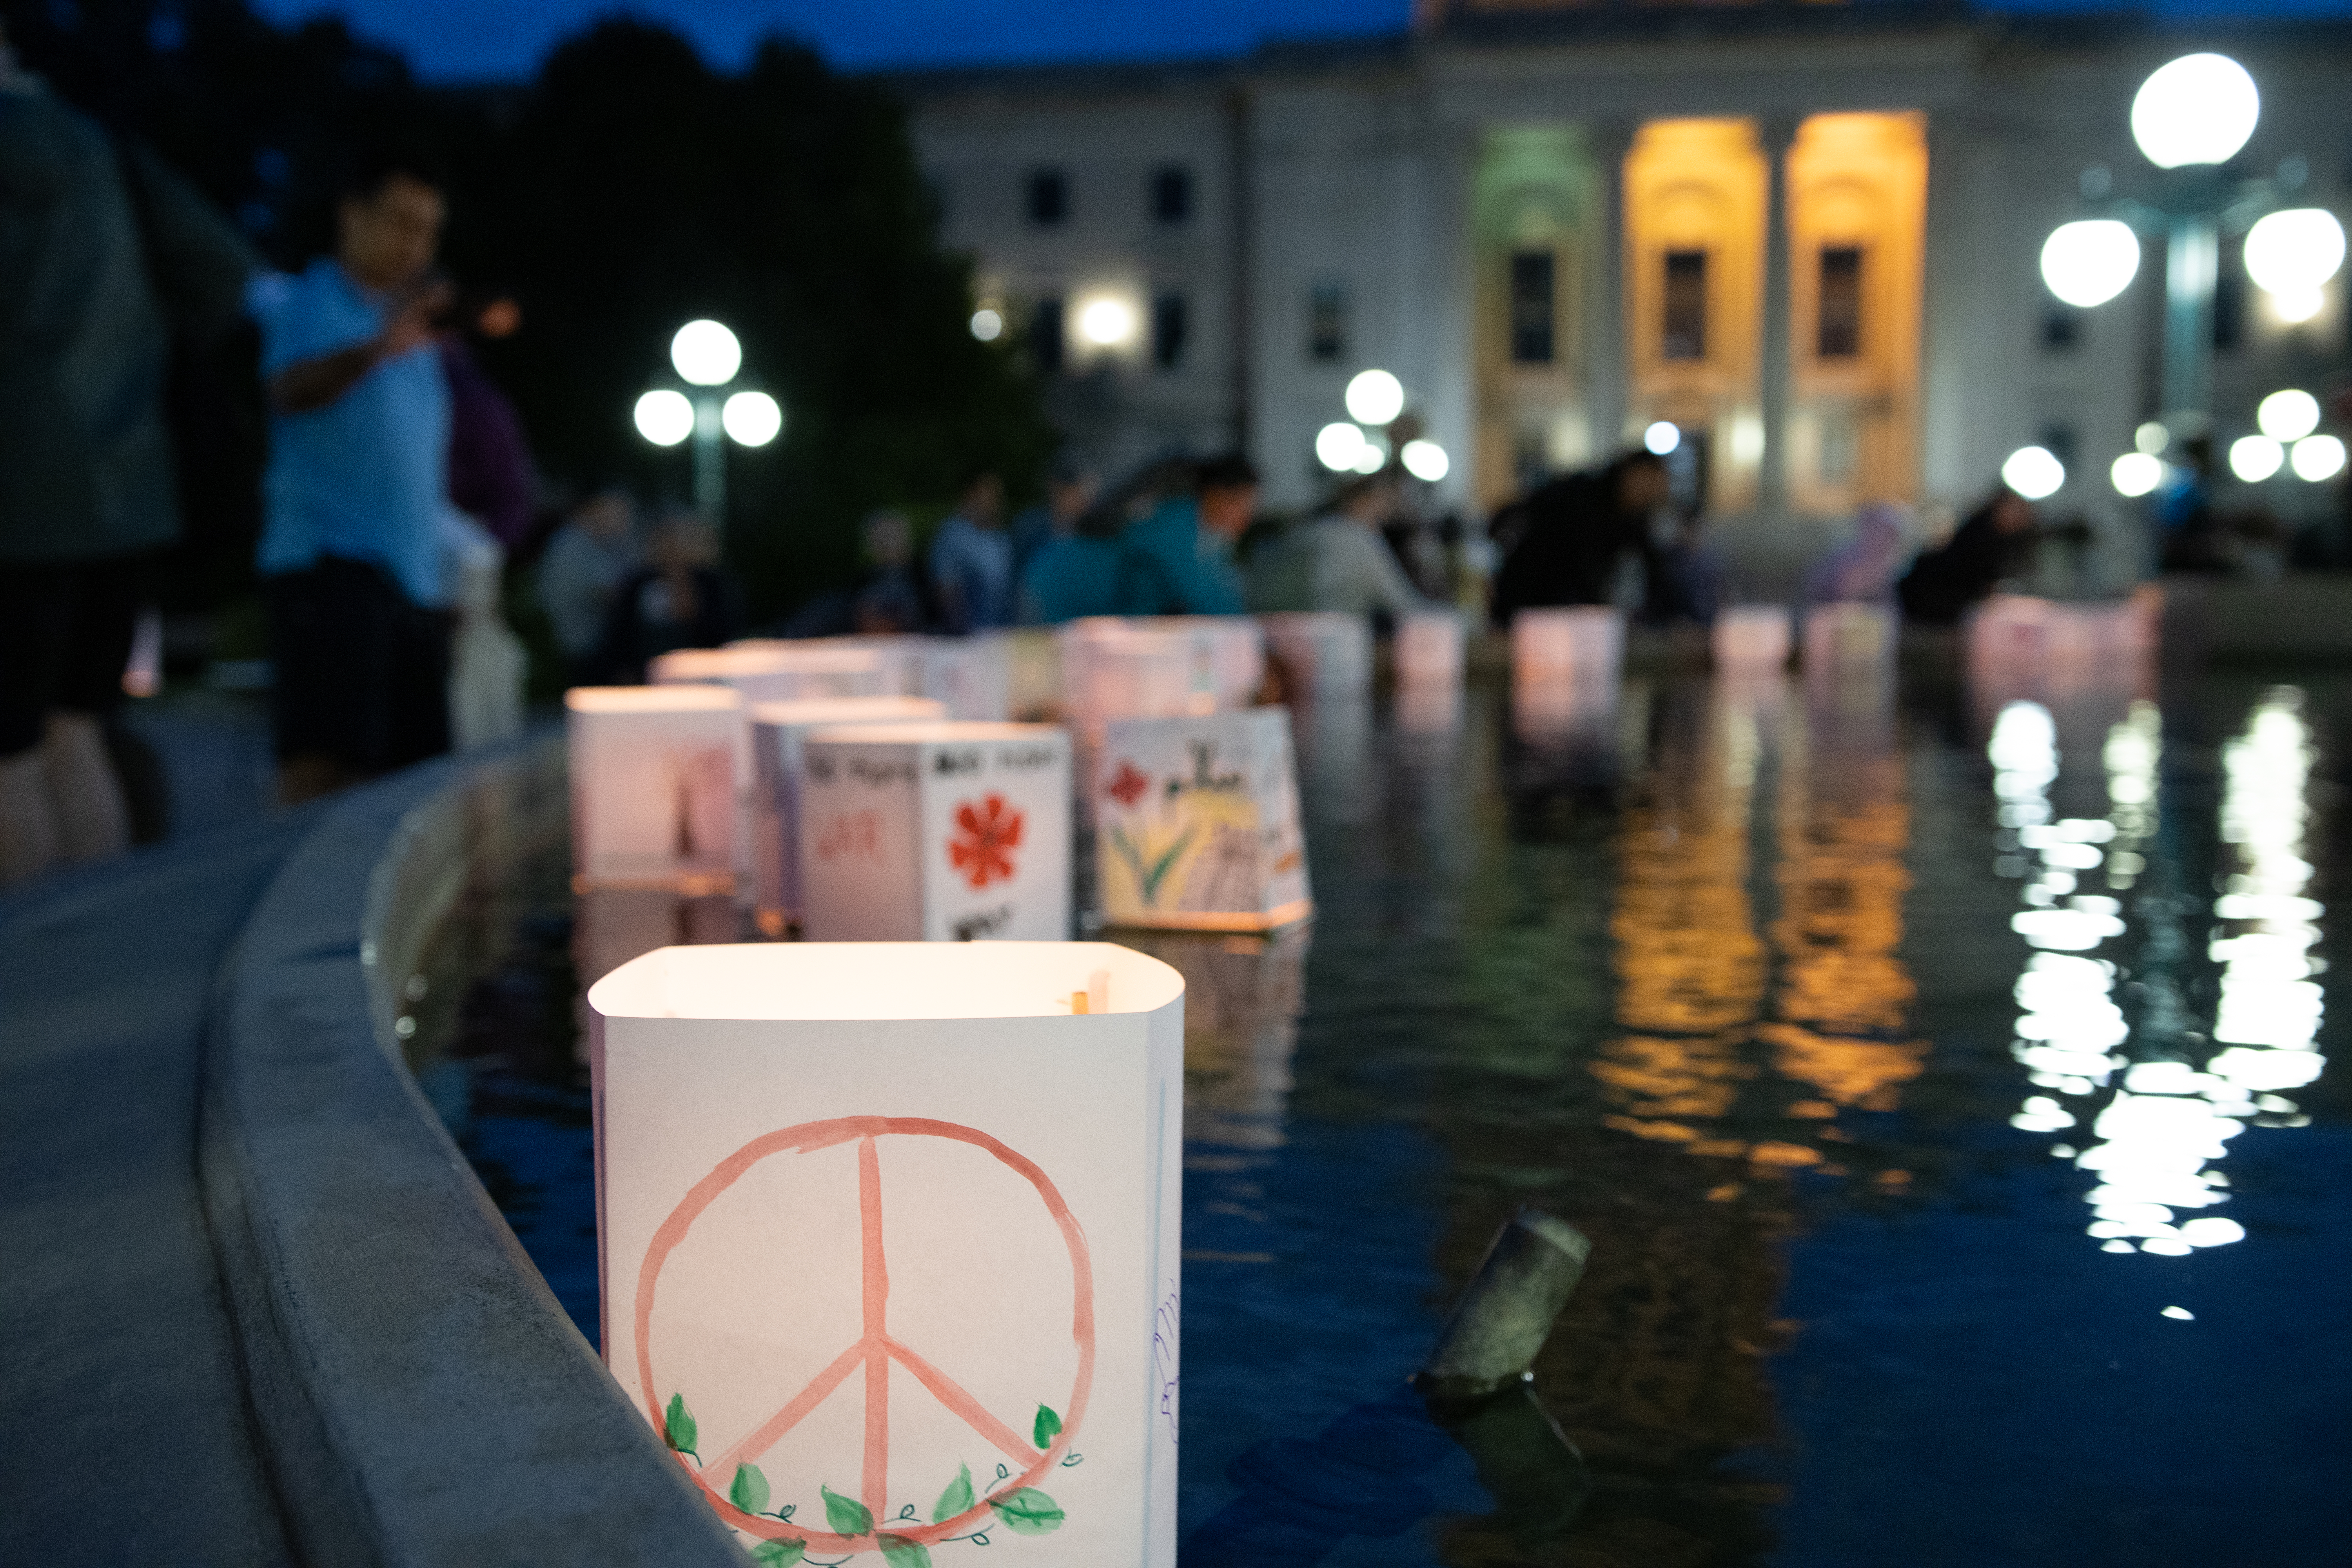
1336,561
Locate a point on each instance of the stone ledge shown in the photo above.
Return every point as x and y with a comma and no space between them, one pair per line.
421,1397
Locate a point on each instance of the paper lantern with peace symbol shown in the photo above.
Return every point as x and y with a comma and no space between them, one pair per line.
889,1242
935,831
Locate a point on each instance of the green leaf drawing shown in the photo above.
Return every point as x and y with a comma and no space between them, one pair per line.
750,1489
778,1554
956,1499
846,1515
1028,1512
1148,878
1048,1427
900,1552
678,1429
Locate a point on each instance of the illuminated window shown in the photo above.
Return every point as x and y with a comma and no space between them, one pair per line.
1531,307
1171,194
1045,334
1046,197
1327,323
1685,314
1840,324
1169,327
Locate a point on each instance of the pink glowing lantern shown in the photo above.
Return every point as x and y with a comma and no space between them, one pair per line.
654,774
1576,645
776,732
1196,824
889,1242
1320,653
935,831
1751,638
774,671
1428,650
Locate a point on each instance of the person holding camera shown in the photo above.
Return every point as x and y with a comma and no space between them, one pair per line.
351,552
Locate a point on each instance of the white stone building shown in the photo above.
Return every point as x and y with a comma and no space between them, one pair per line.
1807,235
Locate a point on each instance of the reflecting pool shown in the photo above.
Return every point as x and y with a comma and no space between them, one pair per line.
1941,1076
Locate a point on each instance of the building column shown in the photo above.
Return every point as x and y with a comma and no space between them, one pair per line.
1777,133
1607,376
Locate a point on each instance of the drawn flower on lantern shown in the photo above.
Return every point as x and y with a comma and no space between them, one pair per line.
986,832
1128,786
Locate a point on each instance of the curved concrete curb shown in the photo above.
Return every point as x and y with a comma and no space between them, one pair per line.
421,1396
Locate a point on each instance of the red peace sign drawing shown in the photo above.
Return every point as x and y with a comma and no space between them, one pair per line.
875,1349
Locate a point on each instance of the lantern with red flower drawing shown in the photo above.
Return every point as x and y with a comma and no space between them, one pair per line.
936,831
1197,827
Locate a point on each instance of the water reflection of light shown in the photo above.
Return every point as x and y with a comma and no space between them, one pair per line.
2154,1143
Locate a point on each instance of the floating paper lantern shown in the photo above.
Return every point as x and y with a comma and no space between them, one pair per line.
1033,658
1111,671
1428,649
936,831
971,676
1320,653
1228,655
775,671
652,784
776,732
1196,824
1848,636
889,1242
1751,637
1572,644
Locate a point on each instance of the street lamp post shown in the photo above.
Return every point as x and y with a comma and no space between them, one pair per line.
707,356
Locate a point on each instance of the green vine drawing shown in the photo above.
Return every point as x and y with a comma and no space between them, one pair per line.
1024,1510
1148,878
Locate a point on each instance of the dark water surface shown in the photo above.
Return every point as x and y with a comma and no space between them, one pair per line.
1940,1084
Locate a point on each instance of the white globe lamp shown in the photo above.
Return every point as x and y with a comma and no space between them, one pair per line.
1425,460
2033,472
2317,457
664,417
2294,252
2091,262
2288,416
2254,458
706,354
2200,109
1662,438
2137,473
1375,397
1338,446
752,418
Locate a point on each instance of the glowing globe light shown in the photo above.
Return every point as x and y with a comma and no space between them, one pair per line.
1425,460
2294,252
2091,262
2151,438
664,417
1374,397
2200,109
1337,446
2254,458
2317,457
1106,322
2033,472
752,418
1662,438
706,354
2288,416
987,325
2137,473
2297,306
1373,458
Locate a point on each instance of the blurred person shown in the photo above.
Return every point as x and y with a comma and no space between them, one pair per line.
680,598
105,255
1338,559
491,479
1686,577
352,500
1563,542
1069,490
1863,570
1079,573
1181,555
1993,544
2192,533
889,601
580,568
971,559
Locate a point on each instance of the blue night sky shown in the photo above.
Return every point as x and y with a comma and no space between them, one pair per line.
460,39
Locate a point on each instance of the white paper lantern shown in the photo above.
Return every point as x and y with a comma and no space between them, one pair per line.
1228,654
776,732
1751,637
936,831
1321,653
902,657
774,671
971,676
1574,644
1033,658
889,1241
1112,671
653,796
1428,649
1196,824
1848,636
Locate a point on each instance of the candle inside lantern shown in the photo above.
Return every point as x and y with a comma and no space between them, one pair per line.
889,1241
654,784
1558,646
1750,637
937,831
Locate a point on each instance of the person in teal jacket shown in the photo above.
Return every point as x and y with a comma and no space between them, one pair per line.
1184,548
